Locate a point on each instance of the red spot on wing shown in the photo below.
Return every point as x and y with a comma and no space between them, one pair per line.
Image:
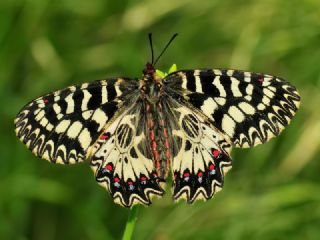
143,178
109,167
116,179
215,153
186,174
46,101
200,174
211,167
105,136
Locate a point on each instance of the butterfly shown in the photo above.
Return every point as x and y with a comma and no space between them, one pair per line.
136,132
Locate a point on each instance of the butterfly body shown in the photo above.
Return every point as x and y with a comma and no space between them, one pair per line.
134,132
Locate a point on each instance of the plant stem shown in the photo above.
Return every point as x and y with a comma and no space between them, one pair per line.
133,215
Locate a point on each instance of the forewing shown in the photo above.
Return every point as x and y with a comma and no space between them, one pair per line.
249,107
122,159
62,126
200,155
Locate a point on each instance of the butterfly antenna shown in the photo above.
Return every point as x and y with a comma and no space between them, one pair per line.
151,47
165,48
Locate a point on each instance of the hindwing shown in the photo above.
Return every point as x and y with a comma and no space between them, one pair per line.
122,159
202,157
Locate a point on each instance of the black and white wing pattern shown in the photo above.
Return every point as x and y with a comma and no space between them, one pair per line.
250,108
134,131
203,158
123,161
62,126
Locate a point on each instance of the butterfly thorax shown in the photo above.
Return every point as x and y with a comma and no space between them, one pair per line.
151,84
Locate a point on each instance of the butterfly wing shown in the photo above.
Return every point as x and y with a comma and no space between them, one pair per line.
62,126
122,158
250,108
201,156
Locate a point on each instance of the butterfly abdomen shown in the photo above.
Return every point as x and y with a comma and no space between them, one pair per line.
158,138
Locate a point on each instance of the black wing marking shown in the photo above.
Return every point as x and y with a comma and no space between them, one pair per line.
123,162
61,126
249,107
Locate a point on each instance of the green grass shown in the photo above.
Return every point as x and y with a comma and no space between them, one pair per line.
272,192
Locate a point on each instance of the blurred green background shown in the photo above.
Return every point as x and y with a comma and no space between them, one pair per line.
272,192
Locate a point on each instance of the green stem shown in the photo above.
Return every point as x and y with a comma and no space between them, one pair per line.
133,215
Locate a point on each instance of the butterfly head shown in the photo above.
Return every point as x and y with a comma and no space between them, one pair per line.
150,85
149,70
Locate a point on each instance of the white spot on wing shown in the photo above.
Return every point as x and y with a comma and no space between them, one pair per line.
236,114
268,93
261,107
220,100
209,106
85,138
198,82
56,108
228,125
265,100
74,129
87,114
70,103
44,122
220,87
118,91
49,127
72,88
248,98
84,85
249,89
62,126
100,117
184,81
86,99
230,73
39,116
246,108
59,116
235,87
104,94
247,76
217,72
